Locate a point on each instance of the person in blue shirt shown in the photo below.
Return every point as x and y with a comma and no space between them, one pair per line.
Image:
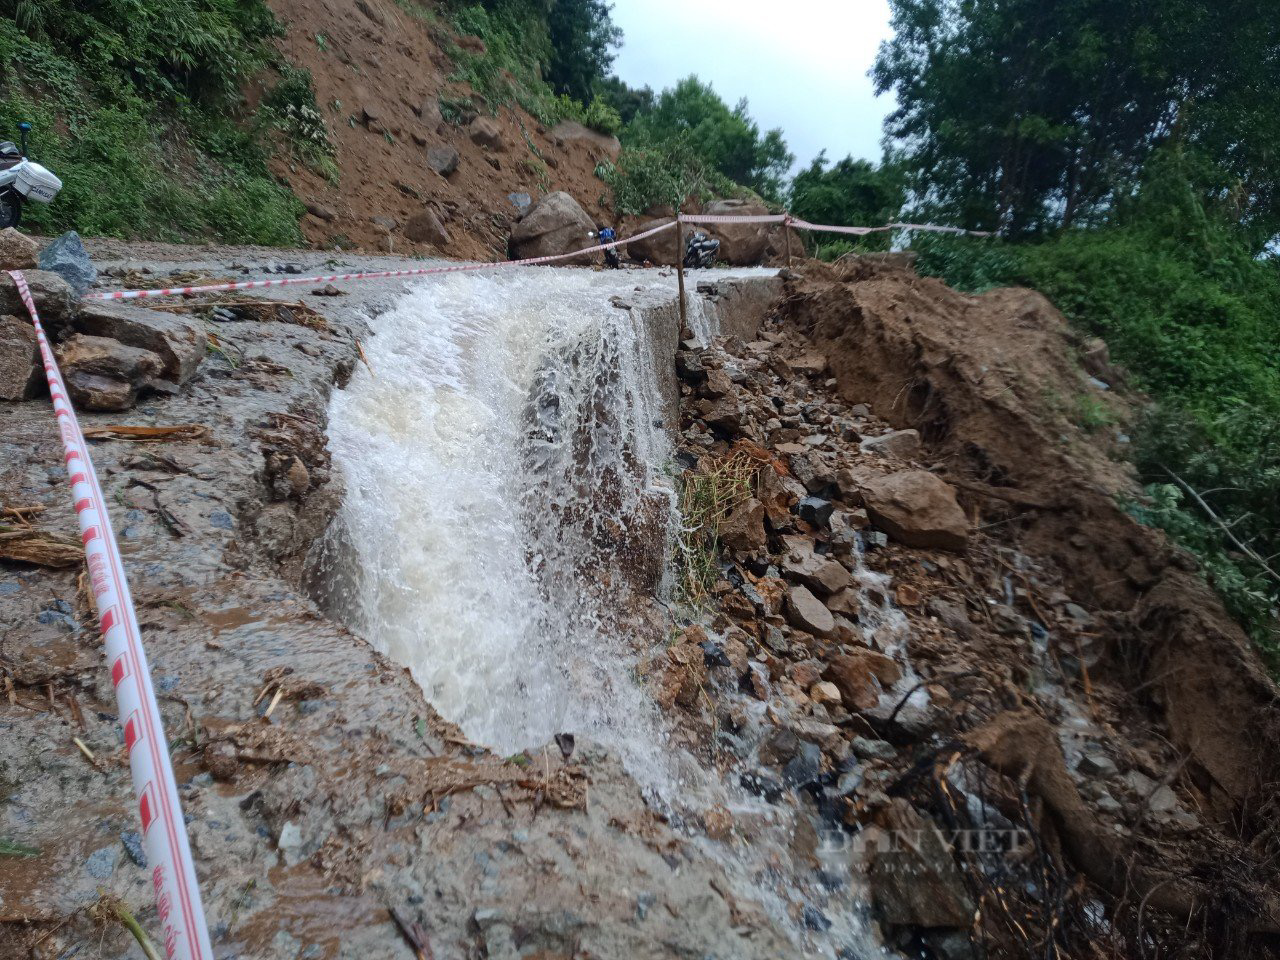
611,258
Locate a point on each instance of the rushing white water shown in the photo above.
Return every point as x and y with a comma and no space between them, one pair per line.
506,475
505,526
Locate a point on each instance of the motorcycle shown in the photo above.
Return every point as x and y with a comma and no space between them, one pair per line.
22,180
700,250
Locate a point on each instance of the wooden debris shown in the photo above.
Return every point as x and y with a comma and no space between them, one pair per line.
39,547
181,431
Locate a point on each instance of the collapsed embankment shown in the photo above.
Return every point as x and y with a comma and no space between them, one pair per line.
874,651
1065,700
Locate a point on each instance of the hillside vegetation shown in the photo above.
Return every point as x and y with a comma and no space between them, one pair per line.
138,108
1131,179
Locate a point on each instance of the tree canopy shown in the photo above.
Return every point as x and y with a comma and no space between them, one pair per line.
582,40
728,138
848,193
1023,115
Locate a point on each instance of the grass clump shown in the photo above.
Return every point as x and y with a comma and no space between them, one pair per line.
707,496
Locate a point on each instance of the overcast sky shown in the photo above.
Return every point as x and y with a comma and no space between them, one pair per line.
802,64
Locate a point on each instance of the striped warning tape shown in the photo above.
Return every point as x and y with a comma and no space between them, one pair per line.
377,275
164,832
530,261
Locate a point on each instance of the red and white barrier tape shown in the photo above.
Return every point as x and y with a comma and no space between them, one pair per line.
470,267
381,274
863,231
727,218
164,832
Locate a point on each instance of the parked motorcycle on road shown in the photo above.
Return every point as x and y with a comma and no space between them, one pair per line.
22,180
700,251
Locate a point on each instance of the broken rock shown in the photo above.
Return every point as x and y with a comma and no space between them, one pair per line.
67,257
917,509
425,227
179,342
54,299
903,444
486,133
743,530
807,612
17,250
104,374
860,676
20,374
914,883
443,159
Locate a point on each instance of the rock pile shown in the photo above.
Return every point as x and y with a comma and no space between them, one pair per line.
855,623
109,353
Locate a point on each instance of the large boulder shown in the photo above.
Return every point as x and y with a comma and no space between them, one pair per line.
104,374
425,227
179,342
54,299
554,225
443,159
67,257
660,249
17,250
741,244
485,132
20,371
916,508
601,145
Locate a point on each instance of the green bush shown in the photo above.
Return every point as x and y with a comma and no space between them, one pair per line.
665,173
598,115
135,111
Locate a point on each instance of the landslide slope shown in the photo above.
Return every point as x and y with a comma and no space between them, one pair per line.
383,79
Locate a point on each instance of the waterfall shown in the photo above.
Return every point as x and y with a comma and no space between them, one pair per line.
507,487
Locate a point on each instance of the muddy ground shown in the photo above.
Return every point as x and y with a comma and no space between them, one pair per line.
316,812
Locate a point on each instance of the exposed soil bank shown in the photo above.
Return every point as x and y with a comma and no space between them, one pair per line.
1065,700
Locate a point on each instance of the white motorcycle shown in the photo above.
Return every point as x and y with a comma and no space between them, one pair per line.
21,180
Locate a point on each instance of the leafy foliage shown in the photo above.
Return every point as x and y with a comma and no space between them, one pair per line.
134,107
516,45
849,193
664,174
627,102
728,139
1028,114
582,41
599,115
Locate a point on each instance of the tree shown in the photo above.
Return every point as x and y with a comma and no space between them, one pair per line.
628,101
729,139
851,193
582,40
1027,114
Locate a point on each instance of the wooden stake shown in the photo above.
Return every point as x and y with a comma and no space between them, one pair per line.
680,267
786,232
